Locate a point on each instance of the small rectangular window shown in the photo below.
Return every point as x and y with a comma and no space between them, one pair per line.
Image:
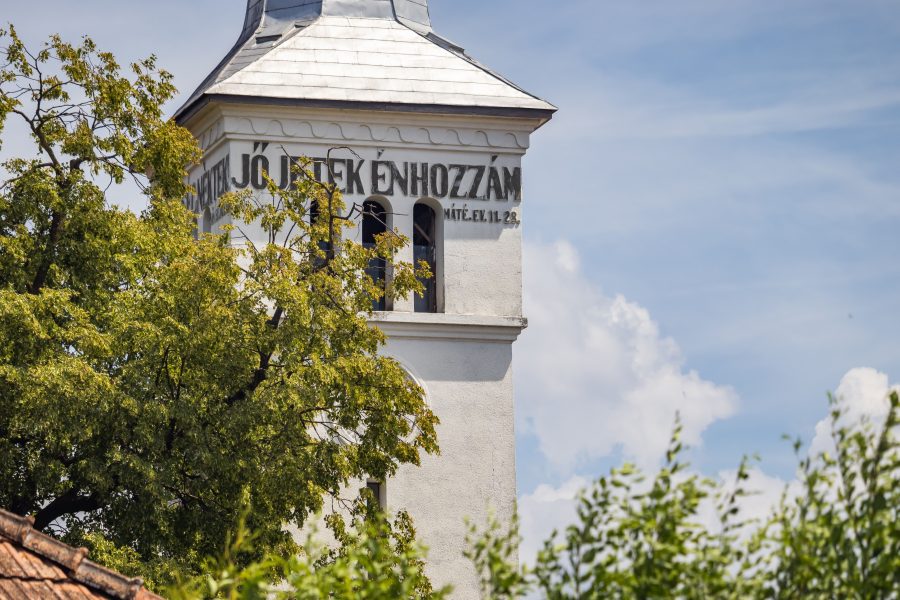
377,490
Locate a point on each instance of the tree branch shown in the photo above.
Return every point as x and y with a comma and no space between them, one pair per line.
56,224
40,277
69,503
262,372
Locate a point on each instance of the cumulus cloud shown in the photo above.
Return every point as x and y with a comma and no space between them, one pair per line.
550,508
544,511
595,374
764,493
863,393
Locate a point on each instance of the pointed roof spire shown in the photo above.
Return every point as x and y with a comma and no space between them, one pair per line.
374,52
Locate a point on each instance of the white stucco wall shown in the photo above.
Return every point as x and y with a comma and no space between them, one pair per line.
463,357
469,386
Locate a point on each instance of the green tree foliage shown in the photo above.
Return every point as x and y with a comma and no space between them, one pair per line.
837,536
834,535
151,383
494,553
375,560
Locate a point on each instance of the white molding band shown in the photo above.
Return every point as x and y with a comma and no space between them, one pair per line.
459,328
334,132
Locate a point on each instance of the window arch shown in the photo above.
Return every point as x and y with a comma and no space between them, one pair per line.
425,233
207,220
374,223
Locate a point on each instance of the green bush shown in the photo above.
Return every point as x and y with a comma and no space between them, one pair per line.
835,536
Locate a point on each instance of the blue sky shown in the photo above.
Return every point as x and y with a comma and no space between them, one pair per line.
731,167
720,188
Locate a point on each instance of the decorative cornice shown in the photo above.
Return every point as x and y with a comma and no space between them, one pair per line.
538,117
212,134
451,328
354,132
361,132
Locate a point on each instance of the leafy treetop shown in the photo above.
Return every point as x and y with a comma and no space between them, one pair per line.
153,384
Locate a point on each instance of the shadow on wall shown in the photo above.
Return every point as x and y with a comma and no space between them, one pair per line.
472,362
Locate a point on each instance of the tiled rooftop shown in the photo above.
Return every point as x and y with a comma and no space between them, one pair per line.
370,60
35,566
356,51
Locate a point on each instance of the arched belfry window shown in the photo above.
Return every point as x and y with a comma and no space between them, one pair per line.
425,249
207,221
374,223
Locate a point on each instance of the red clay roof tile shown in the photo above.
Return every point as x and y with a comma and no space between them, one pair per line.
36,566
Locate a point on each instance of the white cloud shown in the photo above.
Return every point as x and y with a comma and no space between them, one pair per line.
595,374
544,511
862,395
550,509
615,106
764,492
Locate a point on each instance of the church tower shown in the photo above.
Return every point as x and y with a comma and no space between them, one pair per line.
434,140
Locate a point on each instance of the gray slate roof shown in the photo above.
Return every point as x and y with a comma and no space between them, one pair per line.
381,53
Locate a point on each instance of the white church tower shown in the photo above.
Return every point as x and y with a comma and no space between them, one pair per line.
437,144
